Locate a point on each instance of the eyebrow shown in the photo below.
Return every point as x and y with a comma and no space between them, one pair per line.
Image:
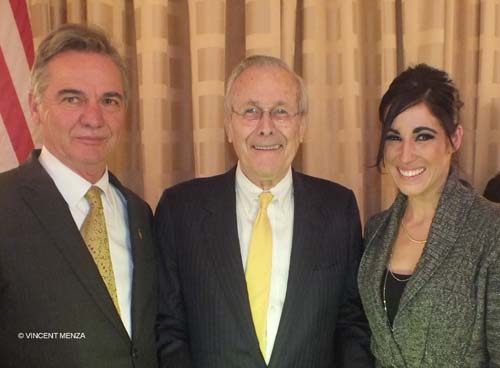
422,129
113,94
415,131
71,91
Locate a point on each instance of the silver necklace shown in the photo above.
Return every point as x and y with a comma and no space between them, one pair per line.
395,277
384,300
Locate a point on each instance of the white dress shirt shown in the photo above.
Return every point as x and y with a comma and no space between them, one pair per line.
280,213
73,189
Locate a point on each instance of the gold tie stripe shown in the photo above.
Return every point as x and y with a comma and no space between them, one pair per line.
95,235
258,272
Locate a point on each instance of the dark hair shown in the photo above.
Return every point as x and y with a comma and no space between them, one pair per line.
420,84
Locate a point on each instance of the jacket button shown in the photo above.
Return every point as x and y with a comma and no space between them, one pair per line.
135,353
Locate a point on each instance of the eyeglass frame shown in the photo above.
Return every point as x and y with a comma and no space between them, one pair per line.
263,111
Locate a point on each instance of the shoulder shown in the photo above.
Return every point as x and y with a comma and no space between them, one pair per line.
194,192
7,178
196,188
375,222
486,212
9,192
135,204
321,189
197,185
12,180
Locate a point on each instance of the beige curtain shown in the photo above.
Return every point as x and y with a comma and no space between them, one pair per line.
180,52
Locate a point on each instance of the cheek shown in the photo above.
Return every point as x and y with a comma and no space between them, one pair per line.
117,129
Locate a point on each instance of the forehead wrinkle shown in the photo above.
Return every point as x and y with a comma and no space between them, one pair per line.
260,105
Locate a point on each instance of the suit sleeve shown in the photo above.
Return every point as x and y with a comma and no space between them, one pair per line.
172,333
352,334
492,190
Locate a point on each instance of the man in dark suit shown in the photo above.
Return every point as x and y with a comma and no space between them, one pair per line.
492,190
69,298
258,265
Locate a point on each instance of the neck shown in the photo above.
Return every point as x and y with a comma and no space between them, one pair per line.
92,174
265,184
420,210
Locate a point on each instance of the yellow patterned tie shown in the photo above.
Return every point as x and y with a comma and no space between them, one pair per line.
258,272
96,237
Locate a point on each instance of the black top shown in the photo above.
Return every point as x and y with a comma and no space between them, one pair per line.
392,290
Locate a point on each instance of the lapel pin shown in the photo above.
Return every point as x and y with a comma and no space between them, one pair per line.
139,233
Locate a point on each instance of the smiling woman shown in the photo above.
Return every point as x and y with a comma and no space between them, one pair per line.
437,242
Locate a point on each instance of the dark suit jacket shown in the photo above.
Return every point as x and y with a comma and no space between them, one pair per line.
492,190
204,316
449,313
50,285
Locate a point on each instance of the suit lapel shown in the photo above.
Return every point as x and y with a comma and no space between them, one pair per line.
303,259
446,226
143,275
377,250
49,207
221,234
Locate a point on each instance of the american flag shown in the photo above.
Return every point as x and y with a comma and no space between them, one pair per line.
17,133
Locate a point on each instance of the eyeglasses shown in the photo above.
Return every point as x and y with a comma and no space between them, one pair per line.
277,114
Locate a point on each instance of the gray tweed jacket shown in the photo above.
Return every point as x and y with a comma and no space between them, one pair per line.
449,314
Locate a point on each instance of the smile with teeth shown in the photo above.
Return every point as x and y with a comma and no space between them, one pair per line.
411,173
267,148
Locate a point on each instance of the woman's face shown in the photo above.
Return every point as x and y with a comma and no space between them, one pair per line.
418,153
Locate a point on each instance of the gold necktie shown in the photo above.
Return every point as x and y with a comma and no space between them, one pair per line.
258,272
95,235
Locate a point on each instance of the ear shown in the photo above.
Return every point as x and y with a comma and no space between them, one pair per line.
34,106
456,138
302,128
228,128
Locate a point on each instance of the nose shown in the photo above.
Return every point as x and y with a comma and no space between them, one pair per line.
407,153
266,124
92,114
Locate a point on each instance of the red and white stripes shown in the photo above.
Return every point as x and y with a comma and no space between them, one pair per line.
16,59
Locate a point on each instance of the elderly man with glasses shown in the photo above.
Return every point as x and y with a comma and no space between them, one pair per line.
258,265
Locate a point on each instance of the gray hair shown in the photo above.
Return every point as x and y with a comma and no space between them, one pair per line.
260,61
73,37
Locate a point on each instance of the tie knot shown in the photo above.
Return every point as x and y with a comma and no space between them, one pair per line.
265,199
93,196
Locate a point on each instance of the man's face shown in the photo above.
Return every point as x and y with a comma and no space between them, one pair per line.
265,147
82,111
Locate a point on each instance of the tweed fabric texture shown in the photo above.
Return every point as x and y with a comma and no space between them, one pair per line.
449,313
95,235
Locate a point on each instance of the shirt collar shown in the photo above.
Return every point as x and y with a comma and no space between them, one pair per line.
71,185
251,192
